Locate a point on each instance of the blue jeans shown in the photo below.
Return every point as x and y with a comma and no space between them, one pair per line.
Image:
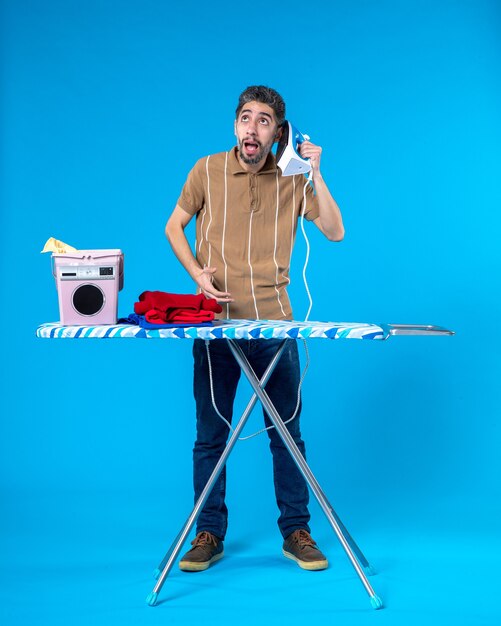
212,433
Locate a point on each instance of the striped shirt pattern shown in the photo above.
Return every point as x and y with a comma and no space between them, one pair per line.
245,227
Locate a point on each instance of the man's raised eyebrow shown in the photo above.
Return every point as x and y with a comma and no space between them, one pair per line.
260,113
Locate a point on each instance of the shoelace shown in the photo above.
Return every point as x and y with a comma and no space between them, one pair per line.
204,538
303,538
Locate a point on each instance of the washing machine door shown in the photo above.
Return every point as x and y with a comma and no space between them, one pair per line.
88,299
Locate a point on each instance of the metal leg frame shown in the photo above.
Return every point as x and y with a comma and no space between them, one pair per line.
303,467
350,547
165,566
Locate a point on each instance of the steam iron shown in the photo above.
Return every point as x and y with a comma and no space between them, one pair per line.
288,158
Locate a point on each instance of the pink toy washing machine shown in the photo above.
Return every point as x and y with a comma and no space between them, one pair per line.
88,282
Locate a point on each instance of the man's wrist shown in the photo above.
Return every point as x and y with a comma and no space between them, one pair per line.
317,176
195,272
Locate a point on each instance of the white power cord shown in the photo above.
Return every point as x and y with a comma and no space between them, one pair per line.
307,247
207,341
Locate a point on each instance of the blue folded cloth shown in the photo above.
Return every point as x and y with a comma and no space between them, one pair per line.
139,320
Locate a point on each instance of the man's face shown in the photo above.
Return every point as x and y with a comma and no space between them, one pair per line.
256,129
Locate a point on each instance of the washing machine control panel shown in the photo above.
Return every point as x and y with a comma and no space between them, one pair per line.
87,272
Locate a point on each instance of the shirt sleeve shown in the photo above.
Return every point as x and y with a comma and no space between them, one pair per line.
311,210
192,197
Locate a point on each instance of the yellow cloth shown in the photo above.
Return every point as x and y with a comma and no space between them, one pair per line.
54,245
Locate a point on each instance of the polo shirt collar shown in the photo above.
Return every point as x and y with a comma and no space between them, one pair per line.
269,167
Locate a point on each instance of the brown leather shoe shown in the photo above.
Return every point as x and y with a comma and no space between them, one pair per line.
300,547
207,548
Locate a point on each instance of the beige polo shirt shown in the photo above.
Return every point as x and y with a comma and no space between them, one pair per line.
245,227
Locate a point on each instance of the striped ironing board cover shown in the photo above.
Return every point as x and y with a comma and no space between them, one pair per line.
221,329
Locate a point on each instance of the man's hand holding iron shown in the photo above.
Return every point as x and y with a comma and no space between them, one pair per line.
313,152
329,221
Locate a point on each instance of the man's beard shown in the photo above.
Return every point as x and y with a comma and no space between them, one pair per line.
256,158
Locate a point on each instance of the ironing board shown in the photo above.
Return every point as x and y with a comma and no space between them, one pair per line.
233,330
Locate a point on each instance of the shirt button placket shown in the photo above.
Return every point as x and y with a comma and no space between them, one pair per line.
252,183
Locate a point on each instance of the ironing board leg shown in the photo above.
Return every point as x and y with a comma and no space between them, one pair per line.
368,569
168,561
302,465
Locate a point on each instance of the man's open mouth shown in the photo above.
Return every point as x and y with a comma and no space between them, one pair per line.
251,146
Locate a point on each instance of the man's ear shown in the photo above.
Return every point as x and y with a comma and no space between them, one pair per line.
278,134
235,127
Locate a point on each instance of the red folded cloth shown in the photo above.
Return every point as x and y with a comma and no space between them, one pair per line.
159,307
184,317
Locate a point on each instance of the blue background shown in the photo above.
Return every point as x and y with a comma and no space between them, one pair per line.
105,106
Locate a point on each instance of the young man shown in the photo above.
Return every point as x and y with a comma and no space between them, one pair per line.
246,219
